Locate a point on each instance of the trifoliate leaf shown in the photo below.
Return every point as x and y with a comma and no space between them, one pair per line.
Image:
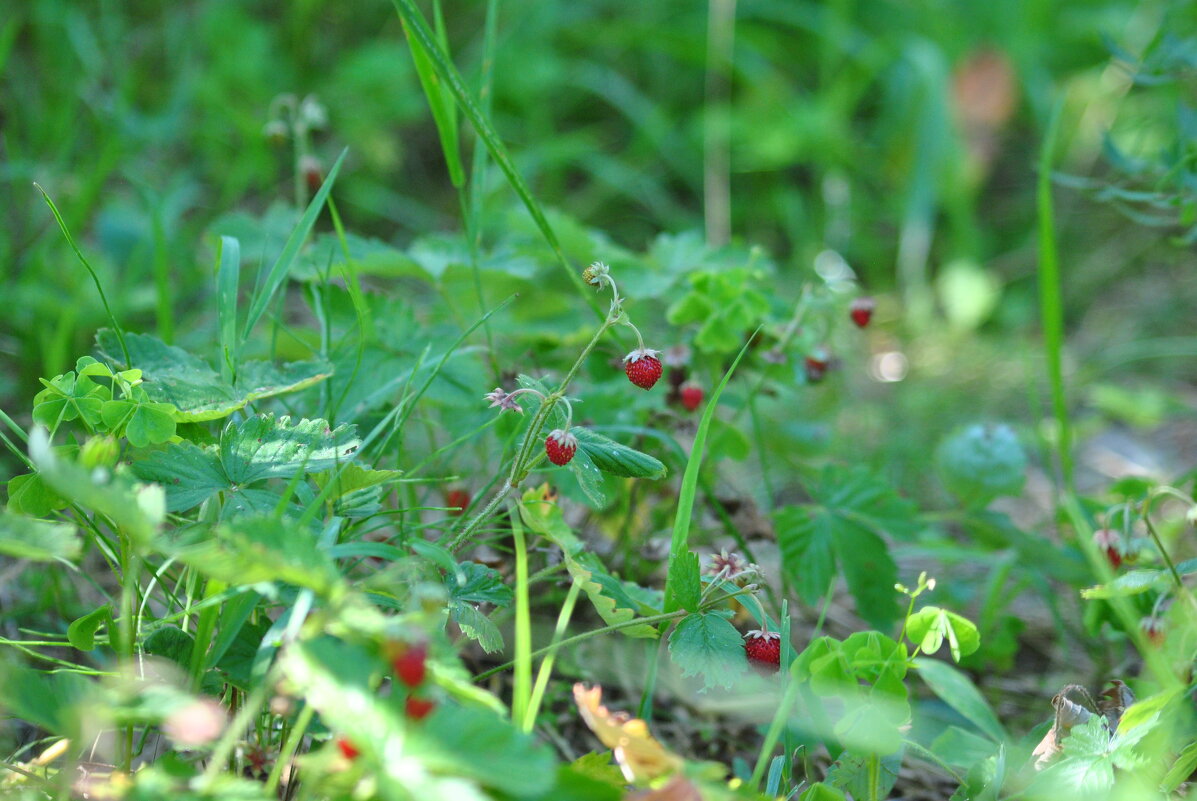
29,495
66,397
931,625
706,644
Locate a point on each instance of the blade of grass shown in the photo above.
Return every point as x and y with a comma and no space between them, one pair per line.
680,543
228,274
443,112
282,266
418,30
521,691
1051,306
62,226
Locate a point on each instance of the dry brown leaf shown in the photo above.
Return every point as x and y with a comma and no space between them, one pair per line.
985,91
1114,701
640,757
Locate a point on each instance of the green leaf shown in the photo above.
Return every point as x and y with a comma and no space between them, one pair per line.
821,792
257,549
52,701
962,748
854,773
260,448
265,447
475,583
170,642
851,511
66,397
1182,768
1087,766
688,581
543,516
137,509
29,495
931,625
959,693
620,460
139,420
613,599
81,634
1132,582
198,393
707,644
590,479
37,540
476,626
981,462
353,477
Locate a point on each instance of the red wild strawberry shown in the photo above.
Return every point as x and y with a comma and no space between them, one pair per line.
313,172
1108,540
763,648
458,498
348,749
560,446
410,663
643,367
861,311
1153,627
818,362
418,708
692,395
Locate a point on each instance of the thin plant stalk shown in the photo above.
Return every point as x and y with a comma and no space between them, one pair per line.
546,664
521,693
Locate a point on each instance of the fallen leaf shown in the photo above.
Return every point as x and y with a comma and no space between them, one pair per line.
640,757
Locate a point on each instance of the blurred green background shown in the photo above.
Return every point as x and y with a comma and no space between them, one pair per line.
896,138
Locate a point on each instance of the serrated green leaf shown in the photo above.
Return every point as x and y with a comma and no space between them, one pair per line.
267,447
958,692
1087,765
590,479
81,634
851,511
37,540
543,516
707,644
687,581
257,549
854,773
616,459
190,474
931,625
475,583
353,477
476,626
609,595
1132,582
174,376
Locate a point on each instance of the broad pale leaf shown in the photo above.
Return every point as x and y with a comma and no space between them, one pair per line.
708,645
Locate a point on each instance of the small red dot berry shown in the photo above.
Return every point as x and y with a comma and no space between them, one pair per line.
1153,627
418,708
818,362
348,749
313,172
459,500
692,396
861,311
643,367
1111,544
560,446
763,649
410,663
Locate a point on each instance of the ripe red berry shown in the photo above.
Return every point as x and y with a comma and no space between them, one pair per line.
458,498
410,663
861,311
1111,544
763,648
818,362
560,446
418,708
1153,627
643,367
692,395
313,172
348,749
